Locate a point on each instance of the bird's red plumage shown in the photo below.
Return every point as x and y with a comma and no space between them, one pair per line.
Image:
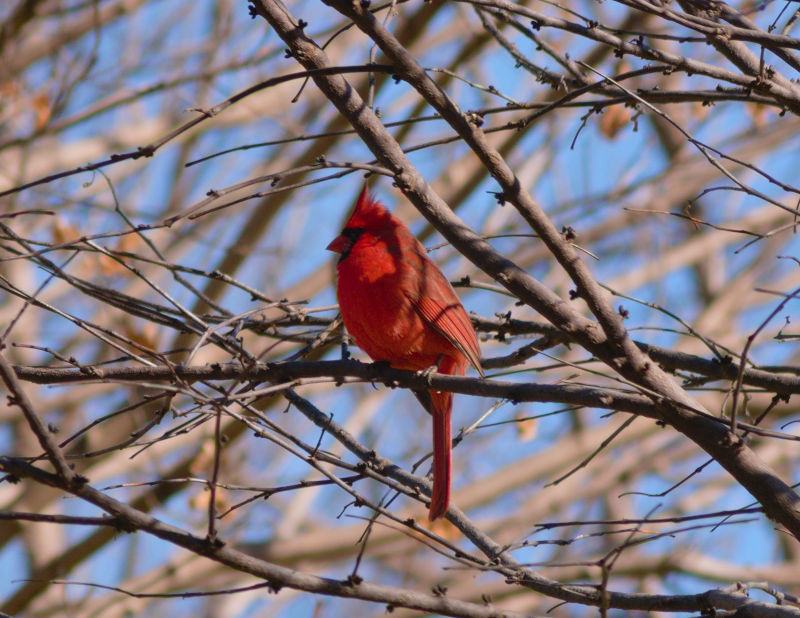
400,308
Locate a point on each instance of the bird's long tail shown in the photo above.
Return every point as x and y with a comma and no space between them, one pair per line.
440,498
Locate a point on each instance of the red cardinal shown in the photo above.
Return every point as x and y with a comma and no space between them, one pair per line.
400,308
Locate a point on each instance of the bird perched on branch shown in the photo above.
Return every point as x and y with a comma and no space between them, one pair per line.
400,308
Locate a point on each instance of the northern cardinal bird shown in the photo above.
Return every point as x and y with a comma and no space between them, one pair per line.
400,308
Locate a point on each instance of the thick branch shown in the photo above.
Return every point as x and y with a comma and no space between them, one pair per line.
291,374
133,519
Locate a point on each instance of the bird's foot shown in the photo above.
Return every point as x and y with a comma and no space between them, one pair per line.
427,373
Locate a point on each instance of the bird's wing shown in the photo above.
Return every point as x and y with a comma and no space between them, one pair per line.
435,300
451,321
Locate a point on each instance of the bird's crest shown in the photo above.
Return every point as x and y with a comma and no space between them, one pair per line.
368,211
